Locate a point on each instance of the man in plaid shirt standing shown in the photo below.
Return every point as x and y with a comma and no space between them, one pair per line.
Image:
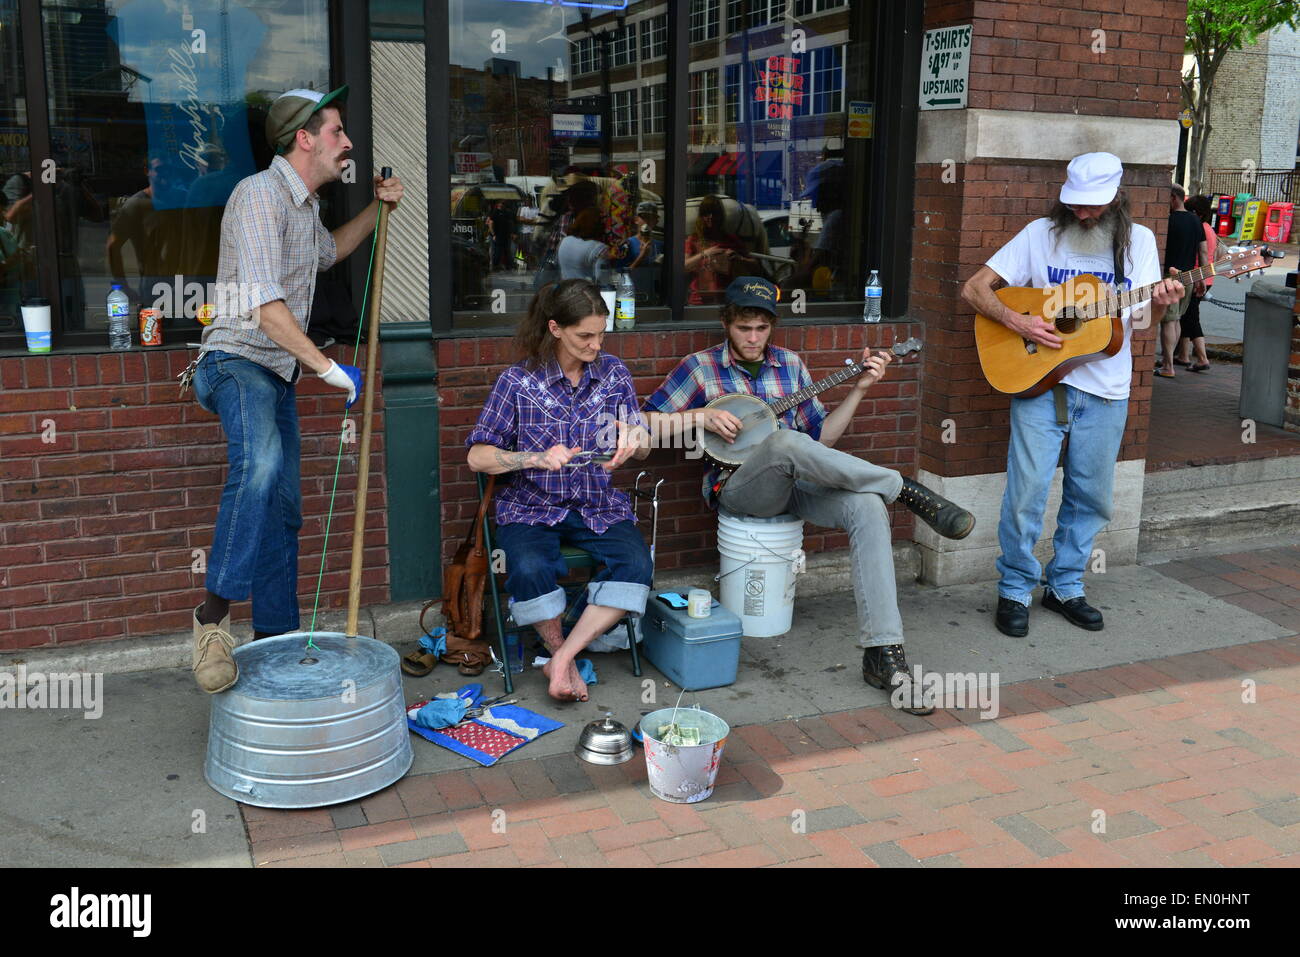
798,470
272,245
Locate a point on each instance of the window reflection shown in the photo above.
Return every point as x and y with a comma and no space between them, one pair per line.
772,163
17,242
157,111
558,119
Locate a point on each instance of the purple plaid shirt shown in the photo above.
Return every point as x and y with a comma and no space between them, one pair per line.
703,376
532,410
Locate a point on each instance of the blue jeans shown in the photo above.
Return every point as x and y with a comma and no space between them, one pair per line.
255,546
533,565
1096,429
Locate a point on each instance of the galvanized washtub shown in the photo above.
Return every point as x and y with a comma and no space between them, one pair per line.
306,729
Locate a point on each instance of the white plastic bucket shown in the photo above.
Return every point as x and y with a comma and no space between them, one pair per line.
760,558
683,775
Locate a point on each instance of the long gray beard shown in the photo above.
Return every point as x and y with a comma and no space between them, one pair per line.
1099,240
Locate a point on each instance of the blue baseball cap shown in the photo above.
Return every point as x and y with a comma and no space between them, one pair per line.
752,292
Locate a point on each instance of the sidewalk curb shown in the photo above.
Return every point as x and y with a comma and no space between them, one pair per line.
395,623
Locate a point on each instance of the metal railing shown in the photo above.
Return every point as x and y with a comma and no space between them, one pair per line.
1270,185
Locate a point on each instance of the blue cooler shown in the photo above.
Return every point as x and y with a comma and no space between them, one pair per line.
695,653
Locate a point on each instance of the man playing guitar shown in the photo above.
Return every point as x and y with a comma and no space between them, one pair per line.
797,469
1089,230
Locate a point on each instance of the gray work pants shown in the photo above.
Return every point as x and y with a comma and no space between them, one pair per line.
793,472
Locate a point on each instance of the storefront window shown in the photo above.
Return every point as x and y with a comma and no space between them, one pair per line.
17,236
775,173
156,112
557,127
556,108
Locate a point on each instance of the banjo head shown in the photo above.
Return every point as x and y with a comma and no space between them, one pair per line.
759,422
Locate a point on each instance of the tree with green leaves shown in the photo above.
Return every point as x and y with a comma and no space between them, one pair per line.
1214,29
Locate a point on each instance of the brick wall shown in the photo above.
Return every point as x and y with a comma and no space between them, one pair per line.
1040,56
1237,108
884,430
1281,95
98,525
1037,58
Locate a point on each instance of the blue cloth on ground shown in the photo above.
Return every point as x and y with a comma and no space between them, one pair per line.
434,643
586,670
513,720
447,709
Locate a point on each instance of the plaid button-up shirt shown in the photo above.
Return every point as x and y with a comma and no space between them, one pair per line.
272,245
703,376
533,410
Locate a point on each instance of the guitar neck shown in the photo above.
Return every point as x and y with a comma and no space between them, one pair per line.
783,405
1112,305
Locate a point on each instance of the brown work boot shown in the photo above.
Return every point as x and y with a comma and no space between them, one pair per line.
214,666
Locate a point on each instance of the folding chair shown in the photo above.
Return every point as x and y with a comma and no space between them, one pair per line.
575,559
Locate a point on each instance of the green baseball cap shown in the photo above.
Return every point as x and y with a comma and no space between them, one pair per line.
291,111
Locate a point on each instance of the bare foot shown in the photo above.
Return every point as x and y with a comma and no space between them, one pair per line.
565,684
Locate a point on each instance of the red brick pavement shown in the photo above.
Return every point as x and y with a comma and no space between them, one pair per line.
1194,421
1190,760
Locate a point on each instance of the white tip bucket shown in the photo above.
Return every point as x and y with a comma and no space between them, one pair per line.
760,558
683,775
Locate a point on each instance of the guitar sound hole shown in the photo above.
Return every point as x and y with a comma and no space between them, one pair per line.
1067,322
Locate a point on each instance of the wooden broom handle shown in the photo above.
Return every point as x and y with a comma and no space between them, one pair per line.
367,414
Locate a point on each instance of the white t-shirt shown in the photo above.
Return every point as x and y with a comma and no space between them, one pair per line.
1033,258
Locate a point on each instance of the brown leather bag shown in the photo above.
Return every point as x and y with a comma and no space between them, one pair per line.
464,579
472,656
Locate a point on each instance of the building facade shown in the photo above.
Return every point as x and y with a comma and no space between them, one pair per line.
801,120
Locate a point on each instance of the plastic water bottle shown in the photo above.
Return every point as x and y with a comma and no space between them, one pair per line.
625,307
872,294
119,327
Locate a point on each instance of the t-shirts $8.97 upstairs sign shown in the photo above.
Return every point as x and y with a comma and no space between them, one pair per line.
945,68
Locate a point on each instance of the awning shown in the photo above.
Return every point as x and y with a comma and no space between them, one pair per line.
508,193
700,163
727,164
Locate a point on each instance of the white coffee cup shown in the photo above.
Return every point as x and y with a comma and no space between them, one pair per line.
608,296
36,323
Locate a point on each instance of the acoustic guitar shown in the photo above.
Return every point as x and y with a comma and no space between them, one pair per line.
1085,312
759,418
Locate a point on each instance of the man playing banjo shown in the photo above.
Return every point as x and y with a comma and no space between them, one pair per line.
796,468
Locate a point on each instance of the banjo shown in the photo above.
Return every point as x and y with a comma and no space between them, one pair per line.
759,418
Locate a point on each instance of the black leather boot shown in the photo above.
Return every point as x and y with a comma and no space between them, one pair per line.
949,520
1012,618
1076,611
885,667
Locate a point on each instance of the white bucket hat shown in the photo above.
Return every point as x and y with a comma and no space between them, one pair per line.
1092,179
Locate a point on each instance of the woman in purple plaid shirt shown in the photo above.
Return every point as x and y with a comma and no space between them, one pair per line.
547,416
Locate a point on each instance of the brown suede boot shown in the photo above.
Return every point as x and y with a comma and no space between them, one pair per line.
214,666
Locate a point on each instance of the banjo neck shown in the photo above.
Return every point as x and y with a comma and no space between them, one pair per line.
784,404
850,371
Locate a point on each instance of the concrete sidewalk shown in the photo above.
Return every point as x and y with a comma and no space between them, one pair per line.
1144,722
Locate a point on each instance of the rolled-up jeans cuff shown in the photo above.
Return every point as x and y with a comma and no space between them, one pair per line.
1026,600
629,596
543,608
1066,594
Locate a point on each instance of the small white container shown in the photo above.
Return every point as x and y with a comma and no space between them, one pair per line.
36,324
698,602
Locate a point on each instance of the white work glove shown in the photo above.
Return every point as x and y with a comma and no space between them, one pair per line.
347,378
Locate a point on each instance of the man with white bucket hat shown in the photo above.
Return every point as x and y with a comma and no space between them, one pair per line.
1088,230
